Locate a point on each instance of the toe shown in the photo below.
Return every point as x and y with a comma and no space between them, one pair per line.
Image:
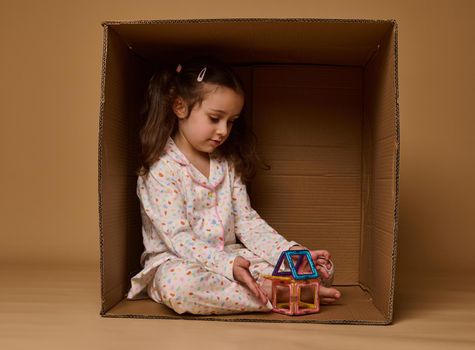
328,295
325,292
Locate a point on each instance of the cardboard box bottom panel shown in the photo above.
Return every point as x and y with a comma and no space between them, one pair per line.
355,301
322,97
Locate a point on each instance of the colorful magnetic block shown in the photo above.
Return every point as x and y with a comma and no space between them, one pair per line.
287,255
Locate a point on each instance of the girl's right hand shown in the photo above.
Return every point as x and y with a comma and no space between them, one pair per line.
242,274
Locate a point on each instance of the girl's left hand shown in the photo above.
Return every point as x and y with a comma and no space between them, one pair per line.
319,257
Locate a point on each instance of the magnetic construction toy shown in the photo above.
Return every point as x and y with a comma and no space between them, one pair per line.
295,281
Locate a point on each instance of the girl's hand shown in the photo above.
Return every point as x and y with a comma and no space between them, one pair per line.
242,274
319,257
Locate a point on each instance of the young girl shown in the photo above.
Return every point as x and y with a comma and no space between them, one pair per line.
197,155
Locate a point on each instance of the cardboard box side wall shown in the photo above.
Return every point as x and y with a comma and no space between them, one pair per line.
119,213
381,144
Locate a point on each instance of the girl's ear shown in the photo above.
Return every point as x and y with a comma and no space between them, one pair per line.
180,108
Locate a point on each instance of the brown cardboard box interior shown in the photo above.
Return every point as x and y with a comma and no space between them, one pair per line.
322,97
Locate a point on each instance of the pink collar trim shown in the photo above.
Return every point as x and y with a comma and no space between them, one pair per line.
217,166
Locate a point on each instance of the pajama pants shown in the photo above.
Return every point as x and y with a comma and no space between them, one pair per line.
186,286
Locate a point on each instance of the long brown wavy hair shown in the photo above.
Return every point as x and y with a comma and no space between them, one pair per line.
165,85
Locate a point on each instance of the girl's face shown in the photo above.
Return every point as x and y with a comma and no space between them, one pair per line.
208,125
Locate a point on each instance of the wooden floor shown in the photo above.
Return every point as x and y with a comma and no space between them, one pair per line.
42,307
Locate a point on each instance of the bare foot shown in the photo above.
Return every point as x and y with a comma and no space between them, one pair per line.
328,295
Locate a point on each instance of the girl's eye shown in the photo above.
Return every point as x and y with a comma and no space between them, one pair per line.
216,120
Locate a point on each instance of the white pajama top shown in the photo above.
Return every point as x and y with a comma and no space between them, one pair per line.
186,215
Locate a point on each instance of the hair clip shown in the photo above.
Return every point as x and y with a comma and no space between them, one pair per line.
178,68
201,75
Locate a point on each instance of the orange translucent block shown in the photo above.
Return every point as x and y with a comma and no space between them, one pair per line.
294,305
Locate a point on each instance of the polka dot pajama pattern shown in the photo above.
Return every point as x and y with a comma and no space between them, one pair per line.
191,225
185,286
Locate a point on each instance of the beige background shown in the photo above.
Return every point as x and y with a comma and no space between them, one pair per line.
50,64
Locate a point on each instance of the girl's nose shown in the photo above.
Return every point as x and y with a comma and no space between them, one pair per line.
222,129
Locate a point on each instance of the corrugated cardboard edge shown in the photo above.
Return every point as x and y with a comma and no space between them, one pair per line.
249,320
251,19
396,205
106,24
101,122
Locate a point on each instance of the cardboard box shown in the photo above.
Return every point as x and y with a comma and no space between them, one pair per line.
324,105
